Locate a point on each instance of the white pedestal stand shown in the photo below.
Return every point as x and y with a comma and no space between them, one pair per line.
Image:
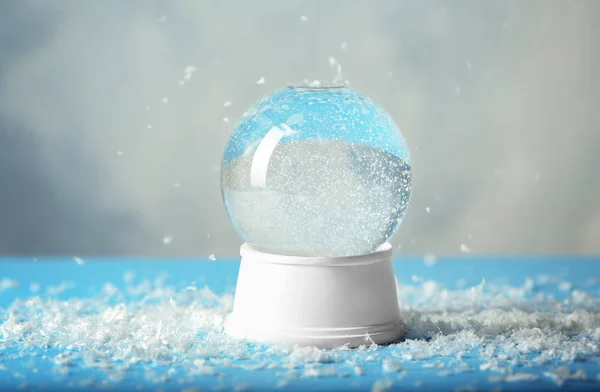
316,301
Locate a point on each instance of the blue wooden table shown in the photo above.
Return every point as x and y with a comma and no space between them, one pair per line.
476,323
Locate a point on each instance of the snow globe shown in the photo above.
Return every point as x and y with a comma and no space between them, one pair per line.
315,179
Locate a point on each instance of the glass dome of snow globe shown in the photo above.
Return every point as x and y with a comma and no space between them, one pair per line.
316,171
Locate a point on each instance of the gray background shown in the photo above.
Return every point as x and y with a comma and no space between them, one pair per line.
497,100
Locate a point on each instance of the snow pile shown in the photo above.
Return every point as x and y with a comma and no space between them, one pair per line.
150,323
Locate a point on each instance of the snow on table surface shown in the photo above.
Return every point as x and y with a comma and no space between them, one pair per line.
474,323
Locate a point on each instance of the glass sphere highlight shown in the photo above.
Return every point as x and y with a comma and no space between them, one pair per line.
316,171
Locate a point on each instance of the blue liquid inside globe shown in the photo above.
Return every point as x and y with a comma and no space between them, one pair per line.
316,171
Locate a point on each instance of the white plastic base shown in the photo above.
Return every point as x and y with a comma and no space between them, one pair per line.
316,301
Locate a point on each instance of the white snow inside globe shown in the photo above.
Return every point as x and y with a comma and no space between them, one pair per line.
316,171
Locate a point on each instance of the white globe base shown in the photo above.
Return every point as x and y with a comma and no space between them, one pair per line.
316,301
